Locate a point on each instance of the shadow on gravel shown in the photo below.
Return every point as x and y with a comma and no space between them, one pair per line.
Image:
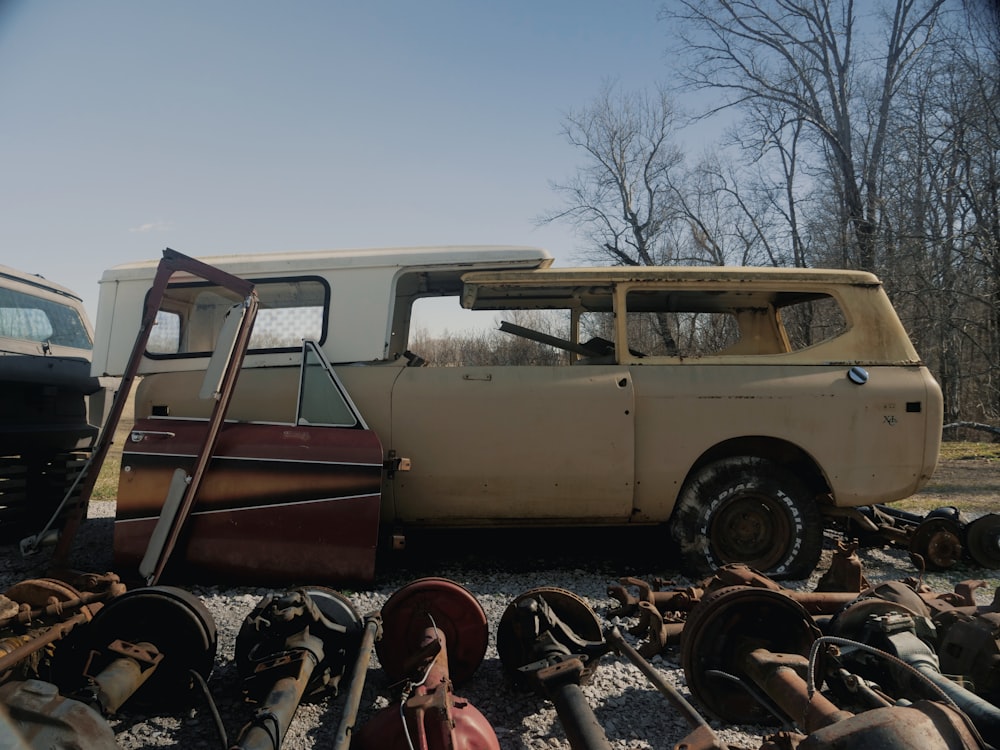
608,552
605,551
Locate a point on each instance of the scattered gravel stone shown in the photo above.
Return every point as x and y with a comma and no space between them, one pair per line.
633,714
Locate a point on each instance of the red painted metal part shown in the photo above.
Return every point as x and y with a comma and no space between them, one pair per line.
231,372
278,502
430,627
451,608
172,262
431,717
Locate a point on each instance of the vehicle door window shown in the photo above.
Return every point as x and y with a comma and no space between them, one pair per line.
322,400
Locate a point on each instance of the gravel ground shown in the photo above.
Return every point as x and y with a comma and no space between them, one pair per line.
631,712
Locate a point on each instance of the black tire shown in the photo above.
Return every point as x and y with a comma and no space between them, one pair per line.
747,510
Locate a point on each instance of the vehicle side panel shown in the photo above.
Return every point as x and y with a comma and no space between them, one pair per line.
515,443
278,501
869,441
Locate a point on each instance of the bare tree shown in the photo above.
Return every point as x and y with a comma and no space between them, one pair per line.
801,56
622,200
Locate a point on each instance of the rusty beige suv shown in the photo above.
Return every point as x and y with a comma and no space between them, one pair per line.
734,407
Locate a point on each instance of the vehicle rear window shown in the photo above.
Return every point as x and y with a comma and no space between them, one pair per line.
24,316
811,321
191,315
705,322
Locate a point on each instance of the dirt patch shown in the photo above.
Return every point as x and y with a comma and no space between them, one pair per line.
971,484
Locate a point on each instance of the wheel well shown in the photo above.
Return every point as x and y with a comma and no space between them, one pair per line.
781,452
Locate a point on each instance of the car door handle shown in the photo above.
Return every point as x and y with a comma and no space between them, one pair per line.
138,436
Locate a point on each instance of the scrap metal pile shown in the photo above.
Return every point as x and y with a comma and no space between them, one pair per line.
940,539
849,665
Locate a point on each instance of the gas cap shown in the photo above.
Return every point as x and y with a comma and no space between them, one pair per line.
858,375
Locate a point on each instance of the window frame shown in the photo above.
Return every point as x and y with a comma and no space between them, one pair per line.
260,285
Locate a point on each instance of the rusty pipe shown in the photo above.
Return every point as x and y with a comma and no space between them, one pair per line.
266,731
679,702
56,608
352,702
54,633
779,676
561,684
120,679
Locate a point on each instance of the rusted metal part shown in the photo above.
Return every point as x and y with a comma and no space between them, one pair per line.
432,628
885,598
34,715
428,715
651,593
456,613
34,644
560,683
130,666
896,633
349,714
544,620
728,624
294,644
742,634
983,540
41,599
938,542
846,572
37,612
550,640
171,263
782,677
288,674
658,630
142,647
935,541
925,724
662,627
701,737
970,646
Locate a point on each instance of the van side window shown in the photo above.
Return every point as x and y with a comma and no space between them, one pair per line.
320,400
729,322
190,316
812,320
676,323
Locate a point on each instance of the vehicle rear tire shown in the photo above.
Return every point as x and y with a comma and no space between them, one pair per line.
747,510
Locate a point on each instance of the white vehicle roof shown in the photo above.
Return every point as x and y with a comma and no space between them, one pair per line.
317,261
361,283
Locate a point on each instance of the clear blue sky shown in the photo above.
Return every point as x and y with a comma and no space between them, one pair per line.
128,126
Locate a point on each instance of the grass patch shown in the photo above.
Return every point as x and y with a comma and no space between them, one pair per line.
106,487
963,450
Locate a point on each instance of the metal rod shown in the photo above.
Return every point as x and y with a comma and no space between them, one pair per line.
54,633
373,629
689,712
577,717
